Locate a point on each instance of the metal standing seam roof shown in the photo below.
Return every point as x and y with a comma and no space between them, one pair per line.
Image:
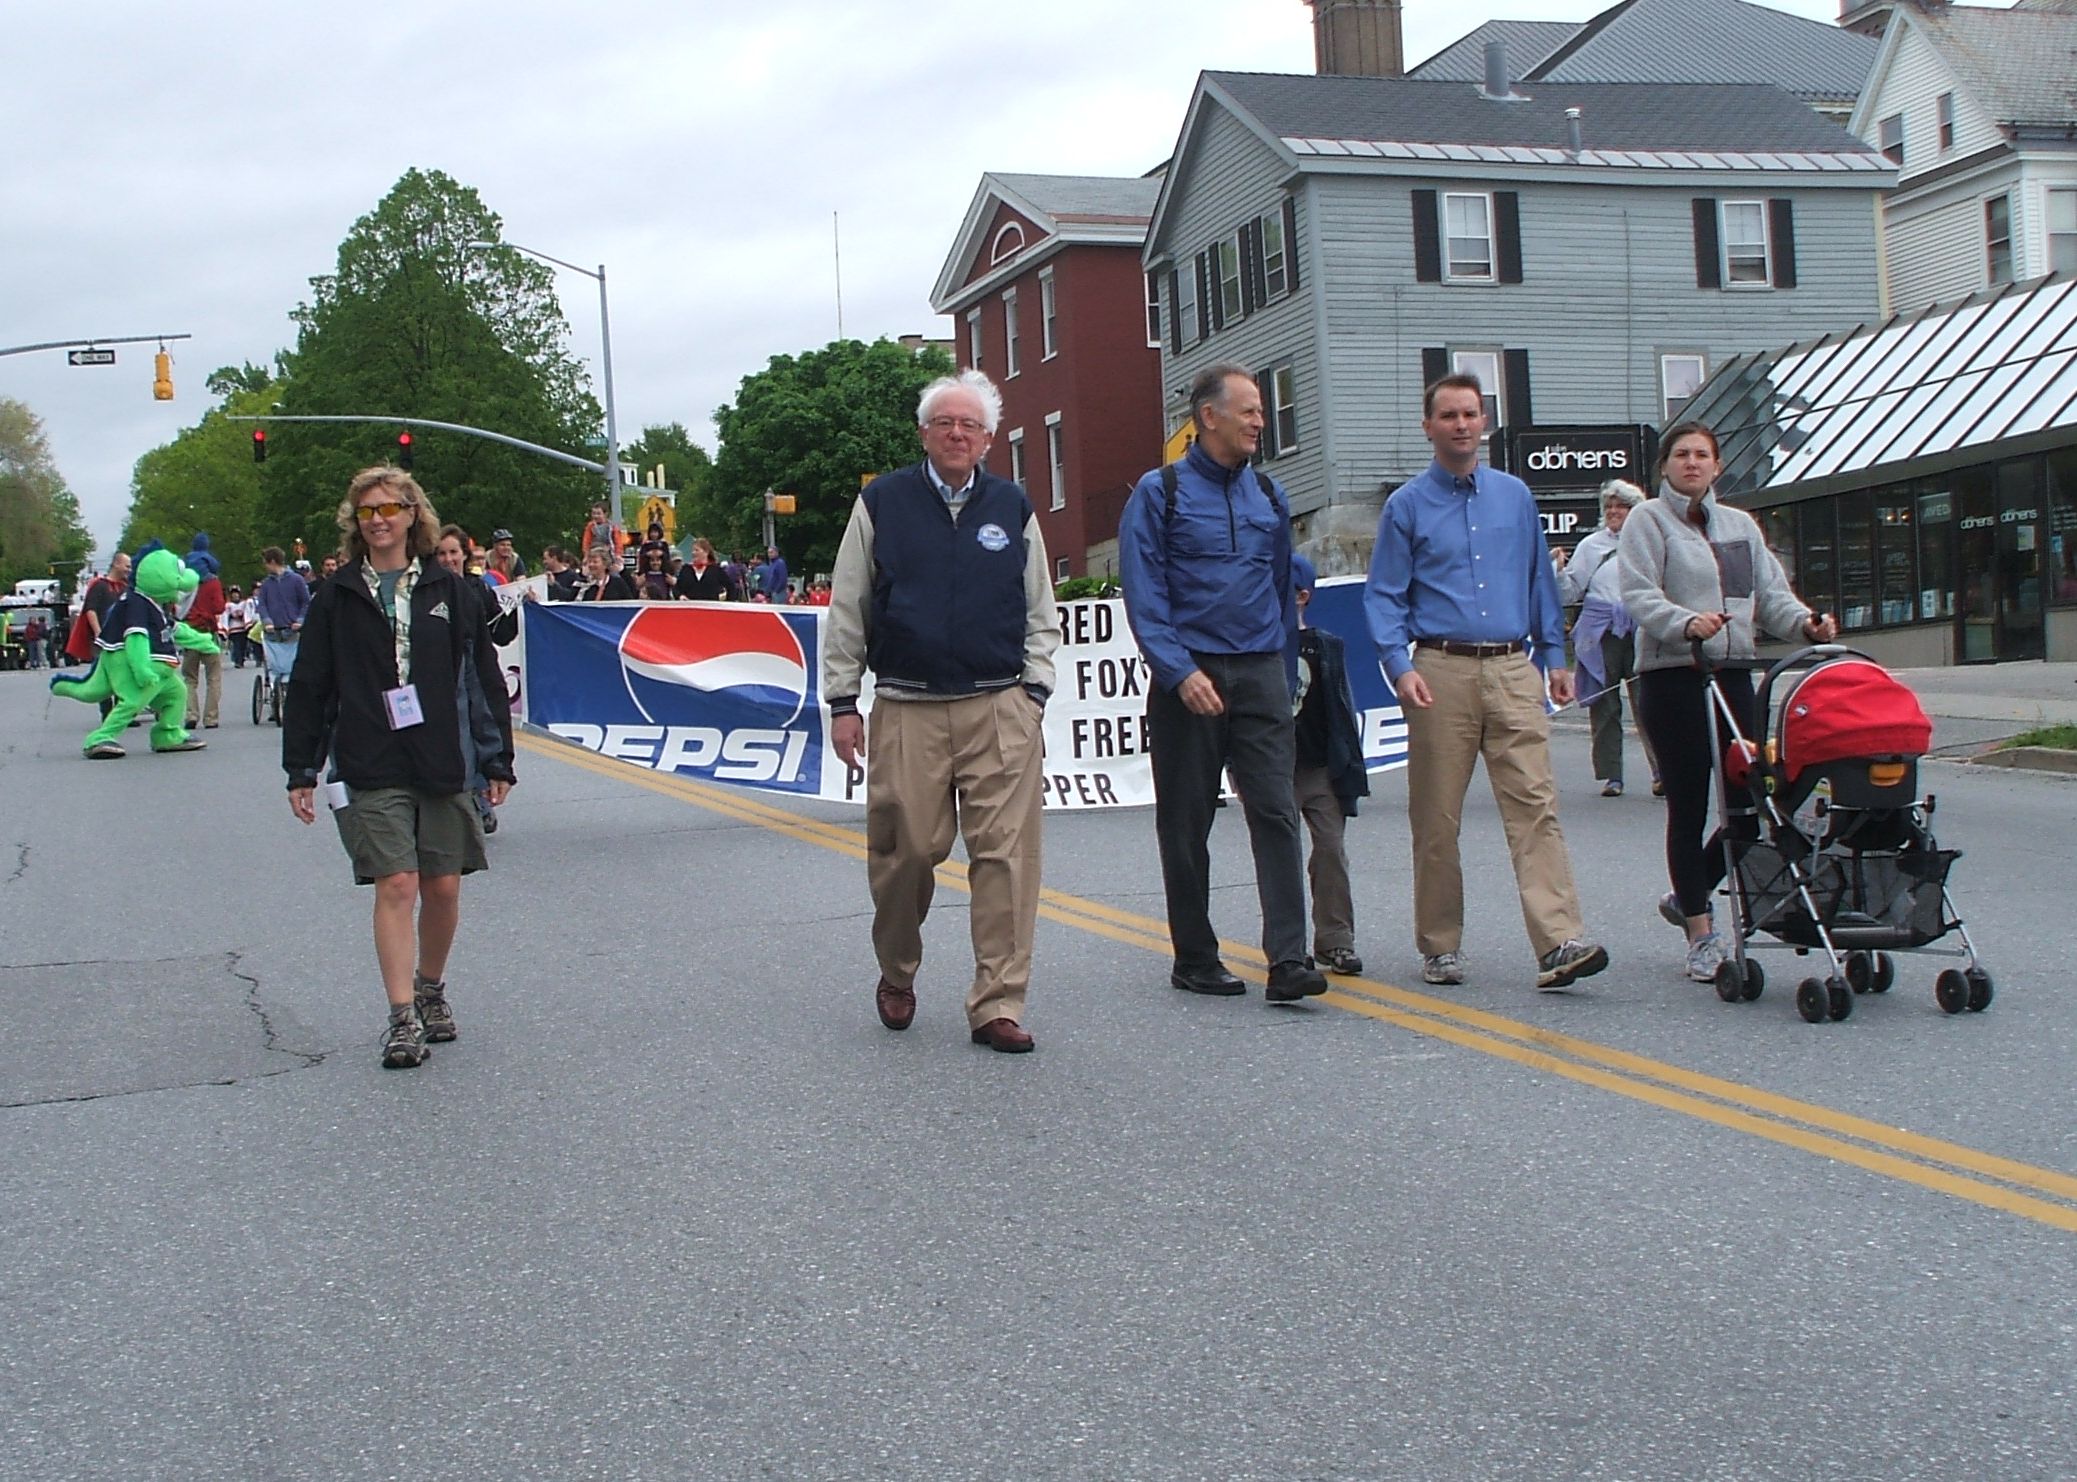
1526,44
1998,365
1696,41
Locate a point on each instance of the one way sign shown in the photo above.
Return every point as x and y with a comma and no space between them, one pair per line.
90,357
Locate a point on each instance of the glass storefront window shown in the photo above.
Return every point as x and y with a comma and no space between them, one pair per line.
1817,556
1856,562
1896,564
1778,529
1935,555
2062,526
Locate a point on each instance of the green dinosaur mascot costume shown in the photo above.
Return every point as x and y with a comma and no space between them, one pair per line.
139,668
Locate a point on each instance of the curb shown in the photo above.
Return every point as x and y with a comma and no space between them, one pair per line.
2031,759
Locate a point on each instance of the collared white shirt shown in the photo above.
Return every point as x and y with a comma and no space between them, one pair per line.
953,498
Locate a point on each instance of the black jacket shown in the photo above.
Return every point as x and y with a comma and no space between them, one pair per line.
710,585
346,661
617,589
1330,691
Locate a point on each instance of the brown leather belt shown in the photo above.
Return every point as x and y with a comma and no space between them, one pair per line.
1472,650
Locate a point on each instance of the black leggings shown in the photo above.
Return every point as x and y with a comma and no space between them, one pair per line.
1670,708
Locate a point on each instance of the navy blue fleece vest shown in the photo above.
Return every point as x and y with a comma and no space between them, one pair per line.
948,597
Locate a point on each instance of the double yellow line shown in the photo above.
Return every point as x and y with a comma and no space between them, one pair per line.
2040,1194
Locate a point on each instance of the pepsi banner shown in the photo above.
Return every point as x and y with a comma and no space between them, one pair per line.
731,692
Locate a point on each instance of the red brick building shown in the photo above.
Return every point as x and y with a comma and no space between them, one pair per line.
1047,297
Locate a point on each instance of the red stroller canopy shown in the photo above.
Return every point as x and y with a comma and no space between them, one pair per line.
1850,708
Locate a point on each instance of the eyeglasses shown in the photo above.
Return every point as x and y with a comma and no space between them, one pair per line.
966,425
367,512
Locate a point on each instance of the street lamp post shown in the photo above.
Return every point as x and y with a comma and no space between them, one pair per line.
605,365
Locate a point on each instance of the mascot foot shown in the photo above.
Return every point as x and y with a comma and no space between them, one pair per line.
191,744
107,751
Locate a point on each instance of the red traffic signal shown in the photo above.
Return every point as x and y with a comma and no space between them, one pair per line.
259,445
403,450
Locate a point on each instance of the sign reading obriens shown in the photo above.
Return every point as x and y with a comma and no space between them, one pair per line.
1549,459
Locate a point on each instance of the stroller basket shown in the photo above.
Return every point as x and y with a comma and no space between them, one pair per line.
1869,901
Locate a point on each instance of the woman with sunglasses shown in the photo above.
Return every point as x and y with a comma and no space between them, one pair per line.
380,668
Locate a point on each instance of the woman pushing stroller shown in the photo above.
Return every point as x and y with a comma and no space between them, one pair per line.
1695,570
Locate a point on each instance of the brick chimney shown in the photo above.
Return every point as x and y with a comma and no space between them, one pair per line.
1357,38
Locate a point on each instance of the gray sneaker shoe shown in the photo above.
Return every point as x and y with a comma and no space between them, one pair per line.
430,999
1446,968
404,1045
1705,956
1567,963
1341,960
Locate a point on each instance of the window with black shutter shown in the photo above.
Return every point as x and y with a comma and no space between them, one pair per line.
1514,380
1291,242
1207,315
1175,311
1427,238
1435,364
1507,233
1709,261
1781,237
1265,383
1251,295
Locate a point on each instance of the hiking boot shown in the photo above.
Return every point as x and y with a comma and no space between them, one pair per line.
1568,962
1705,956
1446,968
1612,789
404,1045
1291,981
1341,960
430,999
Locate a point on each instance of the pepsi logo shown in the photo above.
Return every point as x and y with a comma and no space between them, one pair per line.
747,654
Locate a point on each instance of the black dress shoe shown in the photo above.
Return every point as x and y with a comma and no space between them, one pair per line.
1213,981
1291,981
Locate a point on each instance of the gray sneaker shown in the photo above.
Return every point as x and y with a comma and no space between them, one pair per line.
1705,956
1567,963
1446,968
404,1046
430,999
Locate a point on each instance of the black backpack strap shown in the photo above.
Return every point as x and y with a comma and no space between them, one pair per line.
1168,493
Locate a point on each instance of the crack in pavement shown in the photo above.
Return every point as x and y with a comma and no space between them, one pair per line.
269,1039
21,866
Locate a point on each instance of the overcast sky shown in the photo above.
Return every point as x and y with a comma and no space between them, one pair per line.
188,168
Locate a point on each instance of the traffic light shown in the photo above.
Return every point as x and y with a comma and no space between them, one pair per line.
162,377
259,445
404,450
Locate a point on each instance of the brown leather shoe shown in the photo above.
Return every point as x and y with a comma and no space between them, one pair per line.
897,1006
1004,1036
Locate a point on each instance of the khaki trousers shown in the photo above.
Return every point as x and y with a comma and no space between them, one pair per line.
1327,866
195,668
975,765
1491,708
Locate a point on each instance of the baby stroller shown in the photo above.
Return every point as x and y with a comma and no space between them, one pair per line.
1828,847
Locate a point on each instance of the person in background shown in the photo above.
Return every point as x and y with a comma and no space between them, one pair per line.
238,624
701,579
1329,778
598,531
479,726
510,564
1602,649
205,615
774,582
1699,572
562,576
501,567
733,571
603,579
282,602
653,541
653,574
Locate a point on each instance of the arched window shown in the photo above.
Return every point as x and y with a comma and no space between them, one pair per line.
1008,242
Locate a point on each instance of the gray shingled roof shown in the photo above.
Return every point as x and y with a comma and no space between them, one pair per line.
2021,64
1692,41
1526,43
1085,195
1625,116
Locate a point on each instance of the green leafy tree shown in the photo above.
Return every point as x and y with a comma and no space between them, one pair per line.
687,468
40,526
810,425
205,479
415,323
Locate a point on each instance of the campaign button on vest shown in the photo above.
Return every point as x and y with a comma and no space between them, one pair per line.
992,536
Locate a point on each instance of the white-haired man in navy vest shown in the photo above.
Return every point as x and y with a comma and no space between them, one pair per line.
942,589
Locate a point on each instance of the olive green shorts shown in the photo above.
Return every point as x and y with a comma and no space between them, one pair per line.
399,830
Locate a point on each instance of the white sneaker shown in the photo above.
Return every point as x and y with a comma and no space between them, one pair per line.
1705,956
1446,968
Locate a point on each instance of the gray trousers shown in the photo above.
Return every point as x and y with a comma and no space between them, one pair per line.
1327,866
1619,666
1256,741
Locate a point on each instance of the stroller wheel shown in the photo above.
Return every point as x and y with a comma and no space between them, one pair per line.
1755,981
1860,971
1730,982
1885,973
1951,991
1841,996
1979,990
1812,1002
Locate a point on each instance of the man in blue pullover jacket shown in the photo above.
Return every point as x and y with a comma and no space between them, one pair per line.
1206,571
941,588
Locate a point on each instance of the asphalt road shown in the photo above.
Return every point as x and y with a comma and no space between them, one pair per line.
676,1206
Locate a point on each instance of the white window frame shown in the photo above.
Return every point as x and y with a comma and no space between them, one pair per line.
1225,254
1156,324
1002,247
1009,334
1276,281
1282,408
1056,459
973,336
1017,456
1889,139
1764,254
1049,311
1943,113
2066,196
1485,364
1188,311
1991,241
1062,567
1667,360
1450,274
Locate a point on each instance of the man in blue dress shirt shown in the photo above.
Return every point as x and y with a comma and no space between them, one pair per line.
1461,599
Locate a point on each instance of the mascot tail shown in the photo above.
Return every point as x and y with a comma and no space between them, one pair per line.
91,688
